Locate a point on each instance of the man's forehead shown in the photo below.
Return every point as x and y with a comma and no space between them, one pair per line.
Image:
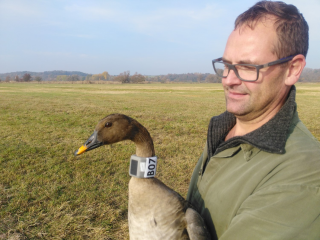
252,45
266,21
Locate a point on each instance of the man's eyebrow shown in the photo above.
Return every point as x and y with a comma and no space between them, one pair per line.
240,62
247,62
225,60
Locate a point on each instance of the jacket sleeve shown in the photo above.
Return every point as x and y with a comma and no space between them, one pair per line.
278,212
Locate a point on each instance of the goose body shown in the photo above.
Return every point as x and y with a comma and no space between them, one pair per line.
155,211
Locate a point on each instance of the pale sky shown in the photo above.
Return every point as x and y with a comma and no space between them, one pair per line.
148,37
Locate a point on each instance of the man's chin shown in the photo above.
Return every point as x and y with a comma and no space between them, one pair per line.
237,110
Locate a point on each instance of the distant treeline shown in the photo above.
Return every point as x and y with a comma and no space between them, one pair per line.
124,77
308,75
45,76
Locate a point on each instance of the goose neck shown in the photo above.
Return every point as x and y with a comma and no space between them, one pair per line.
144,144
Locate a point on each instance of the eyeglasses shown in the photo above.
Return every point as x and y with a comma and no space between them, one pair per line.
245,72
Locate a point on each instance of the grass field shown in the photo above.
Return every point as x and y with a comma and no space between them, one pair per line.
47,193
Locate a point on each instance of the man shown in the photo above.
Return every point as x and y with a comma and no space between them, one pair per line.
259,175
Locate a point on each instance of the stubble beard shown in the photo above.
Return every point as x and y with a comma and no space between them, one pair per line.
241,109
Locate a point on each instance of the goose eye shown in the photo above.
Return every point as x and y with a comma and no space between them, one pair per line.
108,124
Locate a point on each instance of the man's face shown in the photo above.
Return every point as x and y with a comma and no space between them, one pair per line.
253,100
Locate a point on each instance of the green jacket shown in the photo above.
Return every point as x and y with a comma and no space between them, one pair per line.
249,191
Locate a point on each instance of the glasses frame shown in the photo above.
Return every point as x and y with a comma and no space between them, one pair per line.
258,67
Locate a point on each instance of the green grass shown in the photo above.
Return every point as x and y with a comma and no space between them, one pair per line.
47,193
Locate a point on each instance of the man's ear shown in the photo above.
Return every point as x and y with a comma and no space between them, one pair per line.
294,70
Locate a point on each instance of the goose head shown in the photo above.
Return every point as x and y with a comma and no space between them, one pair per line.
119,127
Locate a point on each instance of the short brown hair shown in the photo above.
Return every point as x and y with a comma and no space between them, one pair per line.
291,27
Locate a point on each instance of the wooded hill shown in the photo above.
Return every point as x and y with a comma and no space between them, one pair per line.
46,76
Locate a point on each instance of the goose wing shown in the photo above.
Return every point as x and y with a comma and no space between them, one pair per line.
158,212
155,211
195,226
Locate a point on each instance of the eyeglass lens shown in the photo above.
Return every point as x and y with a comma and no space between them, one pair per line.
248,73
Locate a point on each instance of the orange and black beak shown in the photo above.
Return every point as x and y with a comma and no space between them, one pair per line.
90,144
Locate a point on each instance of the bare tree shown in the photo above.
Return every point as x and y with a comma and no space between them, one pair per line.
213,78
38,78
164,79
17,79
26,77
137,78
199,77
123,77
73,78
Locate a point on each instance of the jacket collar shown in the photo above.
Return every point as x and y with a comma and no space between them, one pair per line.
270,137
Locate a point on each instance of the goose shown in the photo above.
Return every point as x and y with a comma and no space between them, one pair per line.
155,211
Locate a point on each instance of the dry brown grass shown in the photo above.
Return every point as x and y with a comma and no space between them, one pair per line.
47,193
